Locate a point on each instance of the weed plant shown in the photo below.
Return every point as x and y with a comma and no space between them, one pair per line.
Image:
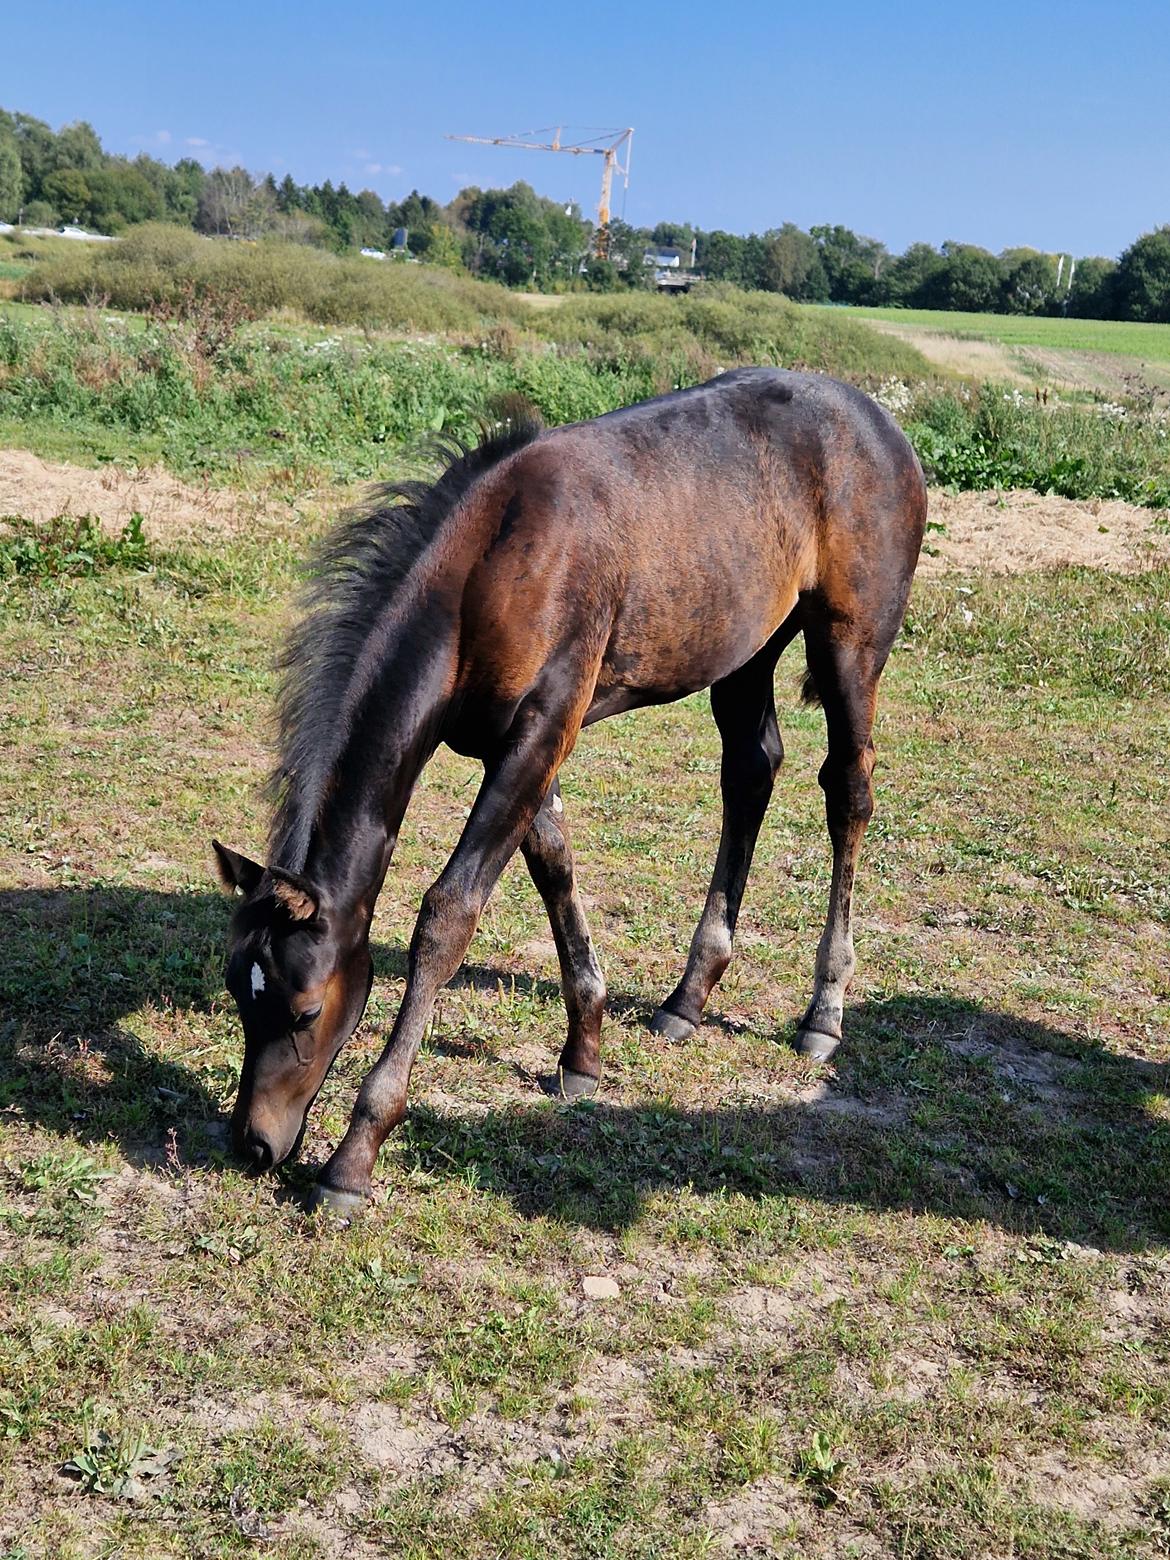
996,438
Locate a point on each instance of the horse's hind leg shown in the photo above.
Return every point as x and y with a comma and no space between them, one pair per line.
845,675
745,713
550,861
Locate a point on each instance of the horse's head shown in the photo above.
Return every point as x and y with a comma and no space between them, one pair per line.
300,973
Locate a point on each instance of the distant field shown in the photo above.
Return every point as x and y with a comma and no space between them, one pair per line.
1121,336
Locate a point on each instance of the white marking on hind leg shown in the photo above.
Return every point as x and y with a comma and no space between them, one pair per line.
257,980
557,805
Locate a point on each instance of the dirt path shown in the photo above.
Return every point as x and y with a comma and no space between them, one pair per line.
1006,533
1106,373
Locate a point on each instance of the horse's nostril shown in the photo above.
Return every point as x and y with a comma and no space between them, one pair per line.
258,1151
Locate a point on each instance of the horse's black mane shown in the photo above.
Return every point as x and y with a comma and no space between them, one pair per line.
353,576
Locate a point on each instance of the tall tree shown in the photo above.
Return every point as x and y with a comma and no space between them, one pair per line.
852,264
1091,292
969,278
792,265
1142,283
11,183
225,201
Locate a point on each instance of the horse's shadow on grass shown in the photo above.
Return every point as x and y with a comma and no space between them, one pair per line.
937,1105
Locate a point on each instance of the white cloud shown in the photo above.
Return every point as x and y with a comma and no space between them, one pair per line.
157,138
377,167
196,140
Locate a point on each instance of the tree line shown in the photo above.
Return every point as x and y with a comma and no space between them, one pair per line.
520,238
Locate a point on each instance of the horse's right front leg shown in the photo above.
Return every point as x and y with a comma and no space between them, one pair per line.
507,803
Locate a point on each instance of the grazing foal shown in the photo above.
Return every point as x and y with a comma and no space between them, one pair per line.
546,580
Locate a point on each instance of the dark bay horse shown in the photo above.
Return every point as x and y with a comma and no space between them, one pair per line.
548,579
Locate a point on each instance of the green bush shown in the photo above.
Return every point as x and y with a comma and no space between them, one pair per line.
158,266
721,326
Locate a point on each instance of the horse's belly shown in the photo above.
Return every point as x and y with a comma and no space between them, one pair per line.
671,648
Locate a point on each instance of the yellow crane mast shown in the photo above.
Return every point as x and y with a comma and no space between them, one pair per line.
608,144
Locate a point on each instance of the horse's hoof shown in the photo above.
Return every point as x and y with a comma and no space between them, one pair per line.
332,1203
816,1046
576,1086
670,1026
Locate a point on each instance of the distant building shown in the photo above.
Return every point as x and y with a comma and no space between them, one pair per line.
663,259
374,254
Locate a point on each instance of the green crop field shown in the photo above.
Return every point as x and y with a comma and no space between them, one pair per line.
1070,335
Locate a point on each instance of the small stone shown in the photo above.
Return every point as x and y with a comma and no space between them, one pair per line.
597,1288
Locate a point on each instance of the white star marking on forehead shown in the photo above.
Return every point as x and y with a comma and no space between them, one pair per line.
257,980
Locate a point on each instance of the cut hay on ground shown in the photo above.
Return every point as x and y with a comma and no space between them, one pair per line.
40,490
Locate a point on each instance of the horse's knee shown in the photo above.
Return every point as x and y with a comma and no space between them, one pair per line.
848,789
749,771
446,924
549,855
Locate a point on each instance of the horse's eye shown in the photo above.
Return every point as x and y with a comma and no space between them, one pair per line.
303,1020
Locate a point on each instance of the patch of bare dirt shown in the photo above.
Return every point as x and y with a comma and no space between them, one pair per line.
40,490
1004,533
1091,1493
390,1438
747,1522
1013,532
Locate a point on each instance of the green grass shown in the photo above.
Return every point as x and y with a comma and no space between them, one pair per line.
1126,337
915,1305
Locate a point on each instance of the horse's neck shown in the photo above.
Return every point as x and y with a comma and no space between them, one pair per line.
396,731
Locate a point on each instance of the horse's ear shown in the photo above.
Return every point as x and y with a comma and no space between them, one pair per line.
236,871
294,894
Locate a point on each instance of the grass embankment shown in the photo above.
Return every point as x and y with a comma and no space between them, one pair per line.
21,252
170,269
210,395
916,1306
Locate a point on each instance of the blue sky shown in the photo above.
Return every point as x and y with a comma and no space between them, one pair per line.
997,123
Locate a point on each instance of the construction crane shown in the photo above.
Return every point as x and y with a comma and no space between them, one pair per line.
608,144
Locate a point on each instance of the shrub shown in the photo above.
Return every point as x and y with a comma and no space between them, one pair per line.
156,265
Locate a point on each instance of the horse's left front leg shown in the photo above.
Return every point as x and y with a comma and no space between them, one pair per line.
508,800
550,861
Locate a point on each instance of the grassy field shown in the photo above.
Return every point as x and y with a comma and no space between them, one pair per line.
914,1305
1126,337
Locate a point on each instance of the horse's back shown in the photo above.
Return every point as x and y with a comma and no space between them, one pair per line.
669,540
